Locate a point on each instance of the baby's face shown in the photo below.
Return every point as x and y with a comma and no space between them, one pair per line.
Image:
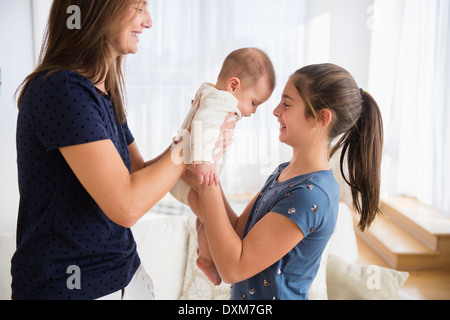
251,97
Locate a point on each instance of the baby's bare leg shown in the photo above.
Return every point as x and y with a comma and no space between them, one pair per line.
194,203
204,261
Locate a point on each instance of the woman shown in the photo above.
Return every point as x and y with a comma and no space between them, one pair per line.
273,249
83,183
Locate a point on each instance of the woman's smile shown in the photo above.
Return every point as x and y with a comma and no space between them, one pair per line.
136,35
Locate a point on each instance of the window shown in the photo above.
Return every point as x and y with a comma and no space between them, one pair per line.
410,76
402,59
186,47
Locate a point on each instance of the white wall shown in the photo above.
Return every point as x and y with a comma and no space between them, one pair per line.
338,32
40,10
16,62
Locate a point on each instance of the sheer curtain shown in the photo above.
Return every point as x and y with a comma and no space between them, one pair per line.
410,76
186,47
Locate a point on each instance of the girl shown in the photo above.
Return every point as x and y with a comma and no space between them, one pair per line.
273,249
83,182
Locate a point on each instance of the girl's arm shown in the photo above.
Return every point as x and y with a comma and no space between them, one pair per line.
235,259
238,222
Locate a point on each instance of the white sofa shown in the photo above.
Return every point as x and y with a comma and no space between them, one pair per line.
167,245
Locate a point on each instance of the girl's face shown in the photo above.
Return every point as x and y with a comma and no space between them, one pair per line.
138,18
295,128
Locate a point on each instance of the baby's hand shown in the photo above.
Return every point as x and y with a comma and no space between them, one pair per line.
206,174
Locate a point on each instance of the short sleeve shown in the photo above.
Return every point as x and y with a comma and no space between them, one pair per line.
128,135
65,110
306,205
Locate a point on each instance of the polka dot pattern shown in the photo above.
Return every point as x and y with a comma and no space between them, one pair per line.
59,224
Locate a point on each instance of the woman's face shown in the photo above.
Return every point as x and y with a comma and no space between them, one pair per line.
295,128
137,18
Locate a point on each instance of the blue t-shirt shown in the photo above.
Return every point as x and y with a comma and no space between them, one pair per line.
312,202
67,248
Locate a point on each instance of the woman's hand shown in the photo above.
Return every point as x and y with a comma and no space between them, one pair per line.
190,177
226,137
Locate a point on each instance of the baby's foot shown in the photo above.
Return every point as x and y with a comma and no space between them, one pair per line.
209,269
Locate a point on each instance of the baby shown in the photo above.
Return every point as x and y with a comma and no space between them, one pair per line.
247,80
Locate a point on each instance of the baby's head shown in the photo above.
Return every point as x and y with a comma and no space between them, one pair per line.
249,75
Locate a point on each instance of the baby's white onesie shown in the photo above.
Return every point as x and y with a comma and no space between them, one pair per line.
209,110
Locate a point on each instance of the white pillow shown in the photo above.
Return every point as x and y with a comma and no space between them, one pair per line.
343,241
318,289
346,281
162,244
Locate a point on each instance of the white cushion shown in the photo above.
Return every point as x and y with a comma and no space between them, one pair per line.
347,281
318,289
162,243
343,242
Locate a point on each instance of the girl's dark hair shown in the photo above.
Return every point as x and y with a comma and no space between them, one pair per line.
86,50
358,124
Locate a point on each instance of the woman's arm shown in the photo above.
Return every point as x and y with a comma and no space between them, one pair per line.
138,162
151,162
122,196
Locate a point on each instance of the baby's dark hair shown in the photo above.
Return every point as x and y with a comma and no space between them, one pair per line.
358,124
249,65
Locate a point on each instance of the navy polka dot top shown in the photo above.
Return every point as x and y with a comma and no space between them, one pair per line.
67,248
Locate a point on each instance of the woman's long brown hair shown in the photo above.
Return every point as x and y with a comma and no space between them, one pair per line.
358,124
85,50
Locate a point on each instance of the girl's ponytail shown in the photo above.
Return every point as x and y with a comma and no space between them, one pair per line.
357,121
362,146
